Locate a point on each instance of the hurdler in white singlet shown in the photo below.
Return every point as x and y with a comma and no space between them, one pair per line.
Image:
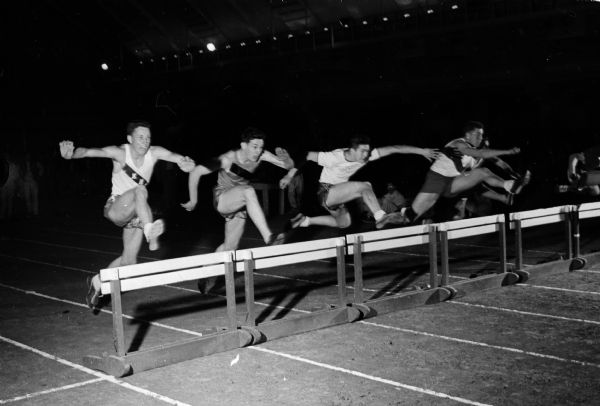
337,169
446,166
122,182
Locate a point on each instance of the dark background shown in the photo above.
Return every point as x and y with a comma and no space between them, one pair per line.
527,69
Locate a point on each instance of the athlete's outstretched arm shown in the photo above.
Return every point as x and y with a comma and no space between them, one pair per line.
68,151
223,161
428,153
485,153
185,163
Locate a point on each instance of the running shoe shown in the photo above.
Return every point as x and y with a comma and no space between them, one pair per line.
519,184
93,296
391,218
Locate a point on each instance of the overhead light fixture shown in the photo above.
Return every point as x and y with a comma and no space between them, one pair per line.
274,38
242,44
175,56
429,11
307,32
406,15
384,18
325,29
290,35
211,47
141,62
227,46
454,7
258,41
104,66
365,22
163,58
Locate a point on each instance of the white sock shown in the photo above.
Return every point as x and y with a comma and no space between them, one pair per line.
508,184
378,215
305,222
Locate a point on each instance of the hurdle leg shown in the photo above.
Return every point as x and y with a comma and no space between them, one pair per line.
433,270
569,235
230,293
576,235
358,271
445,257
117,316
249,290
502,245
518,245
341,273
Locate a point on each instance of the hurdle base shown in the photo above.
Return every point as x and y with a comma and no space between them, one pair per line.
308,322
403,301
564,265
163,355
484,282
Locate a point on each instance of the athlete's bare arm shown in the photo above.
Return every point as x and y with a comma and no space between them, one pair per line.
428,153
466,149
222,162
185,163
68,151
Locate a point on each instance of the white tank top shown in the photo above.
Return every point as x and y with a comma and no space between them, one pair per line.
129,176
446,166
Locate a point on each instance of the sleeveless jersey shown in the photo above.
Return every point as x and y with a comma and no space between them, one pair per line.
449,165
129,176
238,174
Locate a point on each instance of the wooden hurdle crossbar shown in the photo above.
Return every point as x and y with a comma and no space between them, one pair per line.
249,260
468,228
533,218
116,281
359,244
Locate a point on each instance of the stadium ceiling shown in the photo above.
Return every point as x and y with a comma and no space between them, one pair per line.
139,31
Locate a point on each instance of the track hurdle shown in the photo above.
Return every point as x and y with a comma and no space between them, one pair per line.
374,241
581,212
533,218
116,281
249,260
467,228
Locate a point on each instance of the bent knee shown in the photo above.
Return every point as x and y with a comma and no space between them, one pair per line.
343,222
141,192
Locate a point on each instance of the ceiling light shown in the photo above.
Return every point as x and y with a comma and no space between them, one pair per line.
211,47
406,15
454,7
104,66
365,22
384,18
429,11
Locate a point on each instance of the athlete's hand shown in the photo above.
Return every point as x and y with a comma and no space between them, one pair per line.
431,154
189,206
284,156
186,164
66,149
515,151
573,176
285,181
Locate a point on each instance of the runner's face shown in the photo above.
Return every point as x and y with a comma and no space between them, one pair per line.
253,148
362,152
475,137
140,139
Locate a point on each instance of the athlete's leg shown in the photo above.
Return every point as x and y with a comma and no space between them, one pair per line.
234,228
423,202
132,203
234,199
347,191
339,218
500,197
132,242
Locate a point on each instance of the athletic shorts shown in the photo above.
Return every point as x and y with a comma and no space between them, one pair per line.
322,195
436,183
133,222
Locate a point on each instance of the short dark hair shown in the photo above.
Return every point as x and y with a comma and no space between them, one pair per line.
359,139
132,125
252,133
472,125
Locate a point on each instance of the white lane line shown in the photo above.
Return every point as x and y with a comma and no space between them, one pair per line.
97,374
111,237
480,344
33,261
503,309
48,244
585,292
587,271
395,384
53,390
56,299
